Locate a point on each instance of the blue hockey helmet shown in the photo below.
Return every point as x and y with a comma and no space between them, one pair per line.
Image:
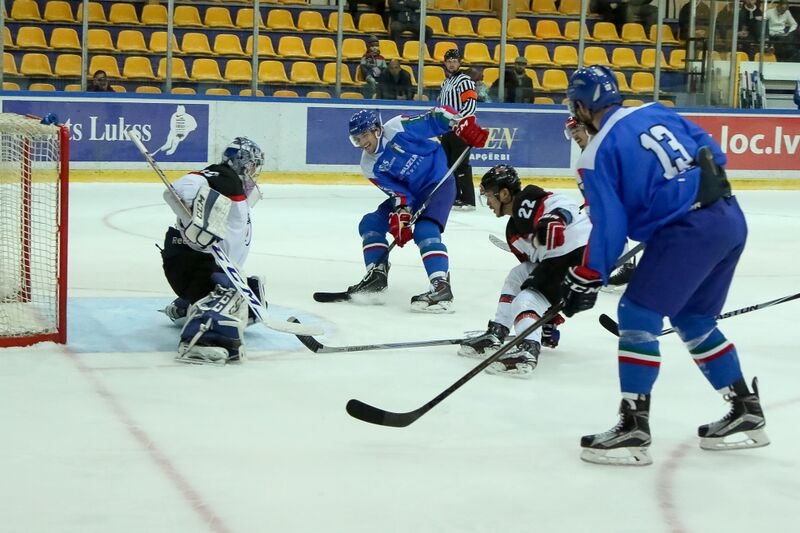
246,158
595,87
363,121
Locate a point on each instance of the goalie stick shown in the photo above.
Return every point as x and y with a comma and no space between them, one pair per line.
226,265
612,327
344,296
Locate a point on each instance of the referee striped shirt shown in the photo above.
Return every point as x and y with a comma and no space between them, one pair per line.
459,93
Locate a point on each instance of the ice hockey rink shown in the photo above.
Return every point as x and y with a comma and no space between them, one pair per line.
109,434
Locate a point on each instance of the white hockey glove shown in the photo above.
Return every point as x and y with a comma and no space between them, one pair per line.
208,224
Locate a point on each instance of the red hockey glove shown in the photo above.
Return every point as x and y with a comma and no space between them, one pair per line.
472,134
579,289
400,226
550,231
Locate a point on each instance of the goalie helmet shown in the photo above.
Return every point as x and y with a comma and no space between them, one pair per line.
595,87
499,177
246,159
363,121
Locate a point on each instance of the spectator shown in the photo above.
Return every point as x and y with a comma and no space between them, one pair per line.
395,83
782,31
749,27
702,17
641,11
613,11
509,87
99,83
372,65
404,16
523,90
379,6
476,75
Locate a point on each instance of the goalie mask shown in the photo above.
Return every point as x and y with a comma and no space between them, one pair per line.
246,159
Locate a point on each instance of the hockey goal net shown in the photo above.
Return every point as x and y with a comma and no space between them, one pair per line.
34,170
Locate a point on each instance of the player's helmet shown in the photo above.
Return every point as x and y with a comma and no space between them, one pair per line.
246,159
499,177
595,87
453,53
363,121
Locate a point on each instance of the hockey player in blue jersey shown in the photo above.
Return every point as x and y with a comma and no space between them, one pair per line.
400,158
654,176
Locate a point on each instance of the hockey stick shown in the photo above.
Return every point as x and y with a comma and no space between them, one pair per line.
374,415
612,327
225,264
500,243
343,296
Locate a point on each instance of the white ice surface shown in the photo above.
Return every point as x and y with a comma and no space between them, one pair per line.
109,434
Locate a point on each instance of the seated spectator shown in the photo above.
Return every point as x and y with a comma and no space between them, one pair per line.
509,87
395,83
749,28
404,16
99,83
378,6
641,11
702,17
372,65
782,31
476,75
613,11
523,84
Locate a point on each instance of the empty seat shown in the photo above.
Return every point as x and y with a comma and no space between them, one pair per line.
122,14
434,22
411,51
58,11
158,43
329,74
572,29
100,41
68,65
304,72
432,76
179,71
544,7
489,27
554,80
238,70
187,17
24,10
570,7
649,59
148,89
389,49
271,71
290,46
347,22
624,57
318,94
31,37
138,68
351,95
677,58
523,6
460,27
107,63
34,64
97,15
227,44
7,42
218,91
633,32
447,5
476,5
9,65
371,23
490,75
131,41
538,55
218,17
42,87
265,48
280,19
206,69
244,19
595,55
249,92
543,100
643,82
548,30
118,88
565,56
521,29
196,43
632,102
183,90
311,21
477,53
353,48
667,37
512,53
440,48
72,87
154,14
668,103
410,71
606,32
322,48
285,93
622,82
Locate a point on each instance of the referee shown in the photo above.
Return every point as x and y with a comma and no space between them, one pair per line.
458,92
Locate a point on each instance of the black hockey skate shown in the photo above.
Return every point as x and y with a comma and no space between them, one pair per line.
485,344
623,274
375,282
518,363
437,300
626,443
744,423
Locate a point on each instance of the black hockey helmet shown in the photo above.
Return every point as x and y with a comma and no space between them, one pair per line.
453,53
501,176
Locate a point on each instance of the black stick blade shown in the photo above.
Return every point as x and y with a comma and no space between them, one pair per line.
308,341
329,297
609,324
373,415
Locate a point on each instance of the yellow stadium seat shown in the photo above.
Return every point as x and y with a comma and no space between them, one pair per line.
411,51
179,71
122,14
571,29
460,27
68,65
304,72
554,80
371,23
244,19
434,22
72,87
624,57
294,2
183,90
138,68
158,43
35,64
311,21
769,57
187,17
8,43
523,7
154,14
351,95
148,89
447,5
353,48
649,59
605,32
9,65
632,102
227,44
633,32
107,63
285,93
280,19
512,53
100,41
58,11
218,91
667,37
290,46
389,49
10,86
329,75
118,88
520,29
218,17
477,53
322,48
25,10
97,15
543,100
565,55
476,5
265,48
548,30
595,55
131,41
538,55
196,43
271,71
677,58
31,37
622,82
318,94
249,92
432,76
42,87
347,22
440,48
489,27
410,71
642,82
206,69
238,70
544,7
668,103
570,8
532,75
490,75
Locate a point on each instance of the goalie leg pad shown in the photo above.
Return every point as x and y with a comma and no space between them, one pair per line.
214,328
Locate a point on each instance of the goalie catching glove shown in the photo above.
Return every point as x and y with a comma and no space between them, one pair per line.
208,224
579,289
400,225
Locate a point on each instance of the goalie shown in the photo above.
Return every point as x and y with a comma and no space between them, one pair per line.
219,198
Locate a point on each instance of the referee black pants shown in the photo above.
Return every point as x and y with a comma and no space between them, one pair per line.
453,147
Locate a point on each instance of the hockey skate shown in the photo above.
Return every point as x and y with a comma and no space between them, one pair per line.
744,423
626,443
518,363
437,300
176,311
485,344
458,205
374,283
623,274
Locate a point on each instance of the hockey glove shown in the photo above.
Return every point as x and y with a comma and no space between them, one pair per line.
471,133
208,224
400,226
579,289
550,231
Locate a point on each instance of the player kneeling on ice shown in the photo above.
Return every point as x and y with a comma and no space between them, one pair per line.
400,158
547,232
219,198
